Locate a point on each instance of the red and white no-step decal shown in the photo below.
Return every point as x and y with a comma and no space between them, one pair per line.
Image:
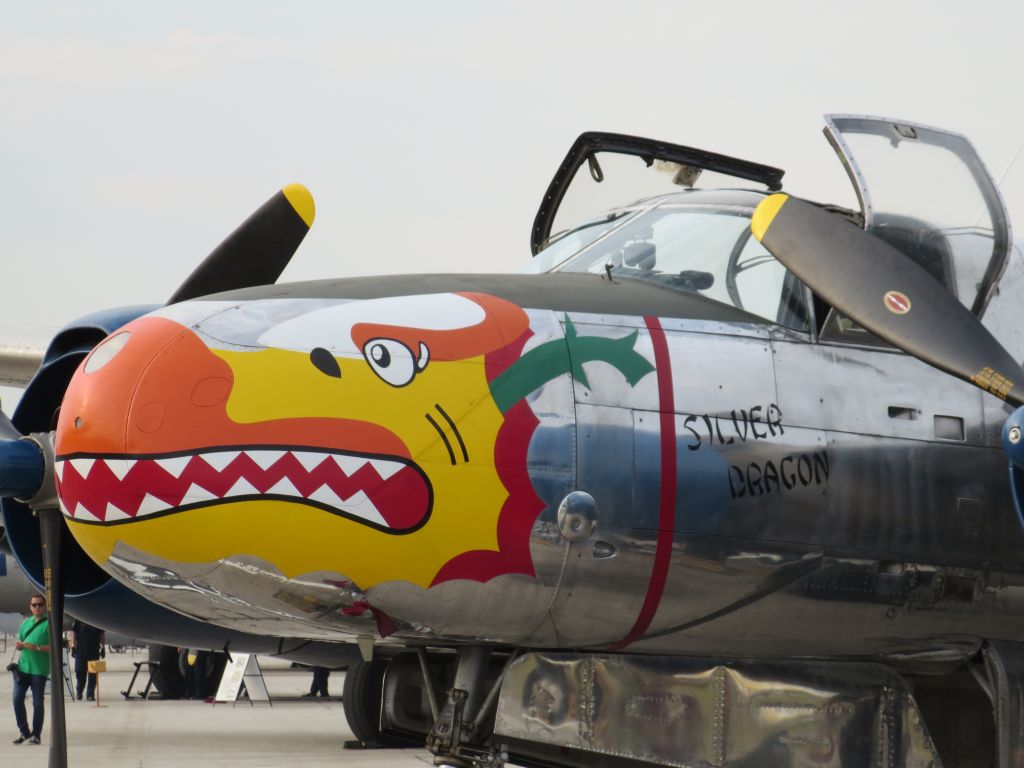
897,302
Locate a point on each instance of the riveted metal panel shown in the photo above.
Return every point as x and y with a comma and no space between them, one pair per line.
935,503
715,366
684,713
871,391
738,495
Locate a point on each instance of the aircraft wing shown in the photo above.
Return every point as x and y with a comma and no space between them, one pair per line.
18,364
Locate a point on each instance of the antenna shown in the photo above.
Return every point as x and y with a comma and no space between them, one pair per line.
1009,165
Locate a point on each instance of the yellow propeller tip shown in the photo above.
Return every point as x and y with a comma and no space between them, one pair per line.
302,201
765,213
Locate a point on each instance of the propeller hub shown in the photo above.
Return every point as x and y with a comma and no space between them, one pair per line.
22,468
1013,438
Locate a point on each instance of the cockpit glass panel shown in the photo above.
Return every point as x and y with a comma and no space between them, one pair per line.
606,181
926,192
927,206
604,171
705,250
574,241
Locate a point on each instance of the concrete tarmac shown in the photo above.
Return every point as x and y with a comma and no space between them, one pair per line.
133,733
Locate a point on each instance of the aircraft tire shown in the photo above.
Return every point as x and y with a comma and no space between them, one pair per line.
361,700
167,680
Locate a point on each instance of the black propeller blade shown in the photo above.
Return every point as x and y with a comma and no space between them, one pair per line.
877,286
258,251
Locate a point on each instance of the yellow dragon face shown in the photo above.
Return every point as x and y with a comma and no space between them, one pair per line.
358,437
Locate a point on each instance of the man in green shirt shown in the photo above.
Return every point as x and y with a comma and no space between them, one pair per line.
33,669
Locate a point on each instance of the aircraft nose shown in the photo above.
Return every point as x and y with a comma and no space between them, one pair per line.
132,394
94,416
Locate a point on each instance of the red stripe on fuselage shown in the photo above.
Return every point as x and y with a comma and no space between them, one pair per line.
667,491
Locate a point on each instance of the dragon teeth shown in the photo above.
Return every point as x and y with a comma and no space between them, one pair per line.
386,469
264,459
242,488
309,461
83,513
82,466
348,464
359,504
151,504
175,465
120,467
196,494
113,513
325,495
284,487
219,459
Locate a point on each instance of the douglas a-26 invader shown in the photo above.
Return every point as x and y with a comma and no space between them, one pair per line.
657,499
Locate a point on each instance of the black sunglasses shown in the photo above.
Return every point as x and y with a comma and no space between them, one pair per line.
37,605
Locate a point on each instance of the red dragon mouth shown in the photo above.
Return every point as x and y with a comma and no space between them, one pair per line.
388,493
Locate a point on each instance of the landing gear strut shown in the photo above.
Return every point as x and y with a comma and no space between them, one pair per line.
460,733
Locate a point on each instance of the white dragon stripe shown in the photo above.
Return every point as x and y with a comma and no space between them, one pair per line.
58,471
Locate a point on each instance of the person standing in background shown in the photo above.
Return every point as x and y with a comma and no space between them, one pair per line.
319,686
33,669
86,645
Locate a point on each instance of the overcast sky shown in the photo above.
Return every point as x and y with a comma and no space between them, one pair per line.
133,138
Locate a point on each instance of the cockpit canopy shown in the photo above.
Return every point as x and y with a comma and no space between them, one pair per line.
930,197
698,241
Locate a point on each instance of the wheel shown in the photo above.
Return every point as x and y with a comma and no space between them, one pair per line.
167,680
170,682
361,699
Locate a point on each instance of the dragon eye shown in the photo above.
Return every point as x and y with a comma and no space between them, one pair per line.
391,360
325,362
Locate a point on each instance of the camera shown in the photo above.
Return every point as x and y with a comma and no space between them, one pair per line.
12,667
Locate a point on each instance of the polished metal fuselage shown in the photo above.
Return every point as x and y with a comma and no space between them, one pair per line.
671,711
773,495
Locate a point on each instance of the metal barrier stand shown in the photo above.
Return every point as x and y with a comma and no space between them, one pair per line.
153,667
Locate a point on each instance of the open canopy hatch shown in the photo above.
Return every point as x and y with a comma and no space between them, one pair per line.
922,189
614,175
926,192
